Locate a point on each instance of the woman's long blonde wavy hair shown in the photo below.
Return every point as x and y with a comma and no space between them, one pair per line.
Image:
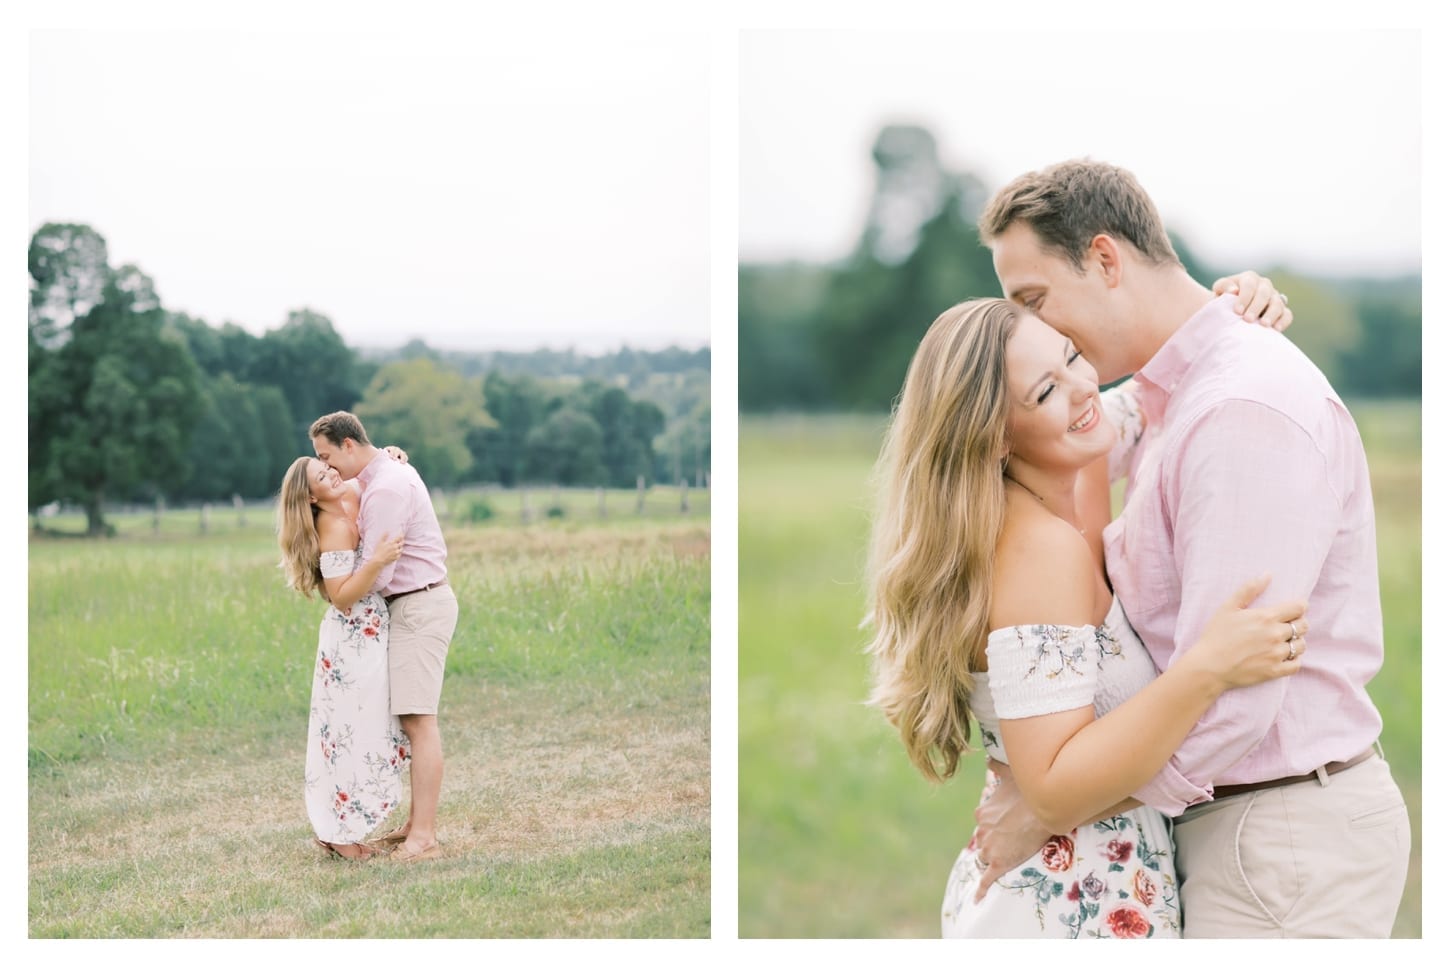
940,506
297,532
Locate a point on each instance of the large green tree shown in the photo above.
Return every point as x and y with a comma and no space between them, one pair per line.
113,389
427,410
308,361
69,271
919,254
628,428
682,452
566,448
241,444
517,404
842,335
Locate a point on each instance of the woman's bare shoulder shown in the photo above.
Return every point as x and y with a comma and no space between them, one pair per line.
1043,572
335,533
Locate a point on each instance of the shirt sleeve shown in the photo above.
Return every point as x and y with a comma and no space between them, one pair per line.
383,511
1248,492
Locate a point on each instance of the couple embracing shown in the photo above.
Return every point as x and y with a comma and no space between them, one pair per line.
357,526
1173,703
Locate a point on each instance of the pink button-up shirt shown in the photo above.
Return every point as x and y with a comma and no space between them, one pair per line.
1251,465
395,501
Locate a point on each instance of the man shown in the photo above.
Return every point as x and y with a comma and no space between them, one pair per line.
422,608
1287,820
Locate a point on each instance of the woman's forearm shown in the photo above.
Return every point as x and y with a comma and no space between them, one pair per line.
1109,758
350,589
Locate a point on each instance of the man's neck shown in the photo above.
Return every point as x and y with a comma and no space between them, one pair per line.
1166,299
369,454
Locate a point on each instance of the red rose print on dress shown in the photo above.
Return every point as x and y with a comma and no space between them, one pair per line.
1144,889
1118,850
1128,922
1058,853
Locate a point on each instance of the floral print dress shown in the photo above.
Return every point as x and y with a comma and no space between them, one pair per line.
1112,879
356,749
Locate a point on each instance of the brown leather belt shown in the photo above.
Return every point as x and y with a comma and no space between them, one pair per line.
1330,768
390,598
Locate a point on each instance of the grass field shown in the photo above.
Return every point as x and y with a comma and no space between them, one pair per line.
839,836
169,681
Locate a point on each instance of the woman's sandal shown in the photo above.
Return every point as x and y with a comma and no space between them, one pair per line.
393,838
366,852
429,853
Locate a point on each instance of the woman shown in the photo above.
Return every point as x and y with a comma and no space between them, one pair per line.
990,601
356,749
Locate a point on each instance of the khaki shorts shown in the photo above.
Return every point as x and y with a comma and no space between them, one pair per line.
420,626
1305,860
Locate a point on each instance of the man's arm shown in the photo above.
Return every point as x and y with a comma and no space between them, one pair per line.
383,510
1247,492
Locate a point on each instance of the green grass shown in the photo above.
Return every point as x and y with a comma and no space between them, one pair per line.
839,836
531,504
168,694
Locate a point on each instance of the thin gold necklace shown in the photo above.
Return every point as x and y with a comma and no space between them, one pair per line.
1080,530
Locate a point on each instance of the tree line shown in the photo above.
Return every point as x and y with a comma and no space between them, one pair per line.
129,401
840,335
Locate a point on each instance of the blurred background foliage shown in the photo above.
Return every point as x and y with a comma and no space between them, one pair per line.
821,337
132,402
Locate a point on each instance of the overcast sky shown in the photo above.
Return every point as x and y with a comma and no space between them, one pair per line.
1260,147
489,190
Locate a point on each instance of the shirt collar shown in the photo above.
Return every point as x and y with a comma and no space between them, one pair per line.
1162,374
367,473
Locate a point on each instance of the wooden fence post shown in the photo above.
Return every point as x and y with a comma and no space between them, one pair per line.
639,501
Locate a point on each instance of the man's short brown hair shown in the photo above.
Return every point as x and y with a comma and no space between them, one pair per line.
339,426
1071,202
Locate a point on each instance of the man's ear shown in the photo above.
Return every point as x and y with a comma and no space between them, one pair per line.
1105,257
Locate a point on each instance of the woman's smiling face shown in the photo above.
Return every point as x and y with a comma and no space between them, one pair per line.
1055,419
323,482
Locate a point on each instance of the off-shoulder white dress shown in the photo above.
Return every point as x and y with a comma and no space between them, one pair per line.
356,750
1112,878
